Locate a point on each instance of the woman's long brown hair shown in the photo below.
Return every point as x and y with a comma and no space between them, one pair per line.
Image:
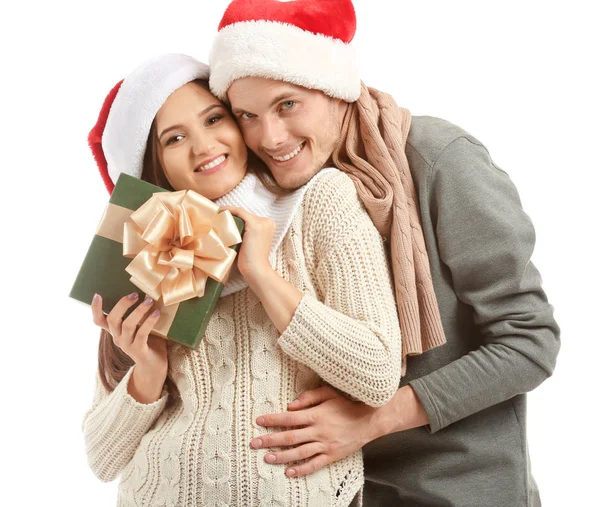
113,363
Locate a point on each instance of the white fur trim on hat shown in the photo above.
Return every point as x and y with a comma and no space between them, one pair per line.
138,100
285,53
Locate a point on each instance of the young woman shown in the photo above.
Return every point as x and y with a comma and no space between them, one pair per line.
311,301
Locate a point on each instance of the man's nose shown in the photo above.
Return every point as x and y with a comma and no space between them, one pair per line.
274,133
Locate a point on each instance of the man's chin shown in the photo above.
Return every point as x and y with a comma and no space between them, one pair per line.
292,181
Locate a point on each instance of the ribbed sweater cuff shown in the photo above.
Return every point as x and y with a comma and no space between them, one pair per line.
131,406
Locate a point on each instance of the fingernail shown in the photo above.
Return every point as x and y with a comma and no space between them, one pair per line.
133,295
148,301
270,458
257,443
295,402
290,472
260,421
95,298
155,313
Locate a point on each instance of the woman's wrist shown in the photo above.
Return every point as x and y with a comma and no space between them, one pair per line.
259,277
144,386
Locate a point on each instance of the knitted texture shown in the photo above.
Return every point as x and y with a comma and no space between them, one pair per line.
255,198
373,137
345,331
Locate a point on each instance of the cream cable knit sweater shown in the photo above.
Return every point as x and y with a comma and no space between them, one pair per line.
345,331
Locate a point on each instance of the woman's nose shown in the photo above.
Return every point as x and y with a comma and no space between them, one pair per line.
202,145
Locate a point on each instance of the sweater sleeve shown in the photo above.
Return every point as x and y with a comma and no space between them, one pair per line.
349,335
486,240
113,428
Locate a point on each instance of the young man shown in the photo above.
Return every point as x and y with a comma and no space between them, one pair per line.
455,432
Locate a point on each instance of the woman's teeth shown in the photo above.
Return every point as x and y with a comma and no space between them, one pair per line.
212,164
289,155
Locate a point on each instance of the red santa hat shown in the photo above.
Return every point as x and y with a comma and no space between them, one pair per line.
118,140
304,42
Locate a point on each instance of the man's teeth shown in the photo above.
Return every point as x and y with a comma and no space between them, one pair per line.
289,155
214,163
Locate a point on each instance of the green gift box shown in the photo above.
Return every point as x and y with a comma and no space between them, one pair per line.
104,268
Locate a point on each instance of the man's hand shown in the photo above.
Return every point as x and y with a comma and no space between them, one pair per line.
332,427
328,427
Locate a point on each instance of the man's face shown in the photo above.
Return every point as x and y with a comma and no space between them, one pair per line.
294,130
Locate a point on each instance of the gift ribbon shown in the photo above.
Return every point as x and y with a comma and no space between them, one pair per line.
177,240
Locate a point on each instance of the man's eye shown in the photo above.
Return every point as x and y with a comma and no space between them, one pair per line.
288,104
174,139
247,116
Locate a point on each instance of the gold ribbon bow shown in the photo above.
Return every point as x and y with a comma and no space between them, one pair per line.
177,240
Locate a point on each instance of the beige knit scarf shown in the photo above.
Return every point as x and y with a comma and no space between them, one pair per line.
372,152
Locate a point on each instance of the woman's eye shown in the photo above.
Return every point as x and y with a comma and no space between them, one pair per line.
288,104
174,139
214,119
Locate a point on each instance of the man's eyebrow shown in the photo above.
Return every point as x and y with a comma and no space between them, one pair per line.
237,110
283,95
201,113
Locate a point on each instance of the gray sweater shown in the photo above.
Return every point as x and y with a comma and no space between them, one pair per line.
502,339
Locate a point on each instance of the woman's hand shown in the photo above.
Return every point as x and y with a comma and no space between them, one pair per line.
147,351
253,257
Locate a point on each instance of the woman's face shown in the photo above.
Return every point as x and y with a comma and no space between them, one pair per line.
200,146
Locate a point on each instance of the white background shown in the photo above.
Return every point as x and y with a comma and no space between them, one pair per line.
520,76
